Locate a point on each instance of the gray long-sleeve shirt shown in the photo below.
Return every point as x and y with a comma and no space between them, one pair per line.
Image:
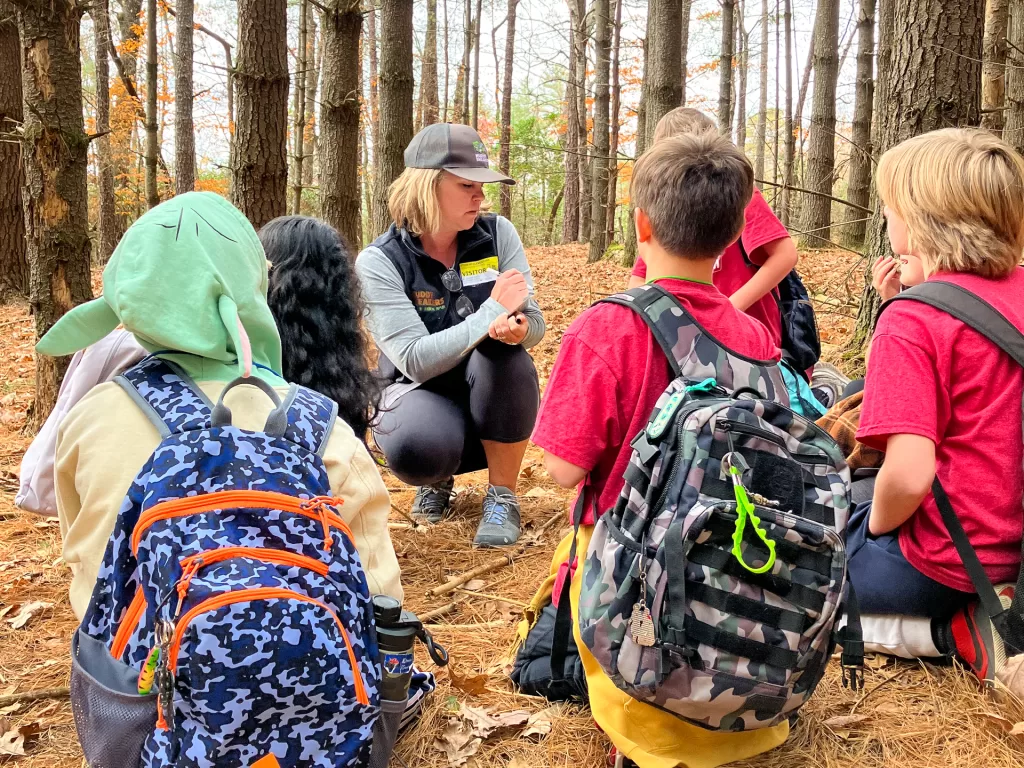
397,329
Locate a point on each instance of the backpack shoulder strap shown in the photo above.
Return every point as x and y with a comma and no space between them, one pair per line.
311,418
668,320
978,314
165,393
969,309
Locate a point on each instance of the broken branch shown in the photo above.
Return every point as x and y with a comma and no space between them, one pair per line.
48,693
436,612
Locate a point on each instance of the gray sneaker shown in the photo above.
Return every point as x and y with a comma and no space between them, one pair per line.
828,383
499,526
433,502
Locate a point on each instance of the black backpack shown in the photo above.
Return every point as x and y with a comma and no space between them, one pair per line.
978,314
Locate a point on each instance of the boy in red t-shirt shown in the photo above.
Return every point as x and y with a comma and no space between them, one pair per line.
941,400
771,253
690,193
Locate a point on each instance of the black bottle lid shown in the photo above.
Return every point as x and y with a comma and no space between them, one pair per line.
386,610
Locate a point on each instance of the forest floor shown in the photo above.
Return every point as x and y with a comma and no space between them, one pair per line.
910,715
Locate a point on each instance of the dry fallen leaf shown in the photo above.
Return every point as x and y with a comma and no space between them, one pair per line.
458,742
845,721
1000,722
26,613
537,493
485,722
12,740
1012,675
474,685
504,611
474,585
540,723
5,610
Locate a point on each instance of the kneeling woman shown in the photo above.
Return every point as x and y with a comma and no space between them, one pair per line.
448,296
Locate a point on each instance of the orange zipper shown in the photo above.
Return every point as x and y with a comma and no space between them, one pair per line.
265,593
316,508
190,565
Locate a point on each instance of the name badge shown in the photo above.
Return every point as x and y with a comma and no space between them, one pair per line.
479,272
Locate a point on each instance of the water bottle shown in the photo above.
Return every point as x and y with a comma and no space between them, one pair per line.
397,631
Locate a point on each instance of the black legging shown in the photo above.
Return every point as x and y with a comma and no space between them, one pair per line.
434,431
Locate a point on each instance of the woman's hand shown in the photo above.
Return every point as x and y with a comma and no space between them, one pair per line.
510,290
510,329
885,277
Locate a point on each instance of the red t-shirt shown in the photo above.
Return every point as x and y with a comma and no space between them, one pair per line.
731,270
931,375
609,374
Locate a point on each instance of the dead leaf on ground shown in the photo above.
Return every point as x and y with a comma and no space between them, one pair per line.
540,723
474,585
458,742
474,685
845,721
5,610
504,611
27,612
12,740
485,722
538,493
1006,726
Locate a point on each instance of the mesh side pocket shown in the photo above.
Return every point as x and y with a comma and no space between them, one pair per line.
113,721
385,733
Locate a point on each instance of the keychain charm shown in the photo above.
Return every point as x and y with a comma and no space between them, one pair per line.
641,624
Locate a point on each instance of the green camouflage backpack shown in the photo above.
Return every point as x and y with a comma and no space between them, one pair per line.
714,588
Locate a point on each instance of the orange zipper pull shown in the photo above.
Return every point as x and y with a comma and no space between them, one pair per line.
321,506
186,579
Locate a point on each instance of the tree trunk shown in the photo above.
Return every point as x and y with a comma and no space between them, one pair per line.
184,130
396,86
341,25
684,45
578,16
462,93
1013,131
444,116
613,147
125,112
299,107
476,65
106,219
371,45
663,75
553,215
14,273
152,141
932,81
309,140
761,132
789,131
428,78
821,143
644,131
725,68
261,76
571,188
504,158
993,70
859,188
599,165
742,57
55,155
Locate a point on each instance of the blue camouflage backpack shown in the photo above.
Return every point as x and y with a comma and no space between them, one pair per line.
716,586
231,622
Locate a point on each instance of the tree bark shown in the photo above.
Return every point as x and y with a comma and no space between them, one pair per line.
14,272
821,142
261,76
599,165
789,131
428,78
761,131
742,59
106,217
579,17
396,87
299,107
444,116
504,157
371,44
55,152
571,189
993,70
725,68
462,94
644,131
476,65
932,81
798,123
613,146
859,188
152,123
684,46
184,129
341,25
1013,130
663,74
126,111
309,140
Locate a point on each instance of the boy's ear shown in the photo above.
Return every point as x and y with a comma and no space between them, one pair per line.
742,227
644,231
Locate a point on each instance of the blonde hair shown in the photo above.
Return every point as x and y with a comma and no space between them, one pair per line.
412,200
961,193
682,120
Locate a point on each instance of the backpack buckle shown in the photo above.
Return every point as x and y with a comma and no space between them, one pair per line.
643,447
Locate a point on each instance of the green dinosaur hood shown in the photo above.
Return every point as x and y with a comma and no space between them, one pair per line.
189,280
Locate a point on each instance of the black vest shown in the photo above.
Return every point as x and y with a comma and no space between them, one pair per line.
476,252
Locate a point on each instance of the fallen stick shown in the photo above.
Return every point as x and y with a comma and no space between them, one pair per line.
488,596
434,613
406,515
48,693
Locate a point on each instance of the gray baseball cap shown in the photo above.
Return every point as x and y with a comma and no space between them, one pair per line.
454,147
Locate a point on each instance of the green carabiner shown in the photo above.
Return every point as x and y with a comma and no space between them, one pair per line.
745,509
